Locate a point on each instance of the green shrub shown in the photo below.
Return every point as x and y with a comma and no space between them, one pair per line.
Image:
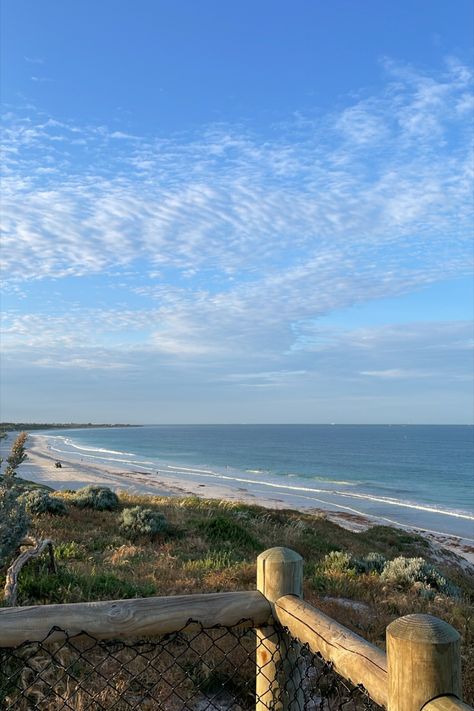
138,521
406,573
214,560
221,529
69,551
100,498
370,563
37,502
337,562
37,584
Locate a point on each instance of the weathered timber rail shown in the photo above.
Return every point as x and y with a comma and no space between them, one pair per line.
420,670
352,656
131,618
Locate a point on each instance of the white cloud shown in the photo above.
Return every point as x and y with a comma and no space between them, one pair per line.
397,373
231,245
34,60
77,201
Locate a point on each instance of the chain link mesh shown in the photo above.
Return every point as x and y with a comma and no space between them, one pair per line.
194,669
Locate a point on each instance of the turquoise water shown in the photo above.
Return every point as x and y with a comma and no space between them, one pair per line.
420,476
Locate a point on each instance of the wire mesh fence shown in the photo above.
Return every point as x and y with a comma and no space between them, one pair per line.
194,669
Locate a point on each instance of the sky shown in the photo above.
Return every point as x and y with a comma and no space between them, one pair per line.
237,212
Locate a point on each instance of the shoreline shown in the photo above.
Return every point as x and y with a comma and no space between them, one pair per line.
40,468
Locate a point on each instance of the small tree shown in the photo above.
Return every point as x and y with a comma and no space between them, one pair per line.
14,521
14,524
16,457
18,453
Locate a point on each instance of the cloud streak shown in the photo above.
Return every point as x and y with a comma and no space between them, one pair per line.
233,244
388,170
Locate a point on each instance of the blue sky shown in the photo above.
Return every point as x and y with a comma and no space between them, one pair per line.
237,212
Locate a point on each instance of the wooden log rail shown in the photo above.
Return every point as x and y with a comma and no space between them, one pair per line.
141,617
420,671
446,703
352,656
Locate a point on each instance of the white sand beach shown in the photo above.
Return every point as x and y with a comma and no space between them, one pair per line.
39,467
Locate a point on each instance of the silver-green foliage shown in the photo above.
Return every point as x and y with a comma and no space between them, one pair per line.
337,562
14,520
37,502
100,498
138,521
406,573
402,573
13,524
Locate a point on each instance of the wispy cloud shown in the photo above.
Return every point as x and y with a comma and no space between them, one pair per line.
398,373
232,245
34,60
229,198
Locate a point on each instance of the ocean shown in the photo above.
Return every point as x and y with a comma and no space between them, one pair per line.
415,475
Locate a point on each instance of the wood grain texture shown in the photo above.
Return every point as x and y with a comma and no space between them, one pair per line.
447,703
279,572
353,657
424,661
132,618
11,580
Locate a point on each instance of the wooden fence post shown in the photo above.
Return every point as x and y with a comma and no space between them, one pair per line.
279,572
424,661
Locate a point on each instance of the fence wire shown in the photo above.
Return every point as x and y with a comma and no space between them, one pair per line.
202,669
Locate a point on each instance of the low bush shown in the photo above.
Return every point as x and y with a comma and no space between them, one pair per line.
214,560
337,562
406,573
224,530
37,502
139,521
100,498
69,551
370,563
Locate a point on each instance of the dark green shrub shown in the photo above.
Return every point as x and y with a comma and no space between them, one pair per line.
222,529
138,521
370,563
37,502
100,498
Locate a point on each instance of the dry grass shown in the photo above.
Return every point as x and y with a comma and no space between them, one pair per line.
212,546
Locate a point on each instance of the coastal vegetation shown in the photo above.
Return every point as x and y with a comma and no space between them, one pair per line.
170,546
99,498
27,426
14,520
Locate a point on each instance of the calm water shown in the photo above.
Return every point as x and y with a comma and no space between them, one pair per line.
416,475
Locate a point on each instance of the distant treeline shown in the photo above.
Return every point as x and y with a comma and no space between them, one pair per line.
15,426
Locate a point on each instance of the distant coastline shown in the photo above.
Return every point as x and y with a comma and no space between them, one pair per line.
27,426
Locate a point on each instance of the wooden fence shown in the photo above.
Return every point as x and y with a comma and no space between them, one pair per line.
420,670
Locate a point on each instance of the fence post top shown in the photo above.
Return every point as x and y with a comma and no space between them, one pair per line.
424,629
279,554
